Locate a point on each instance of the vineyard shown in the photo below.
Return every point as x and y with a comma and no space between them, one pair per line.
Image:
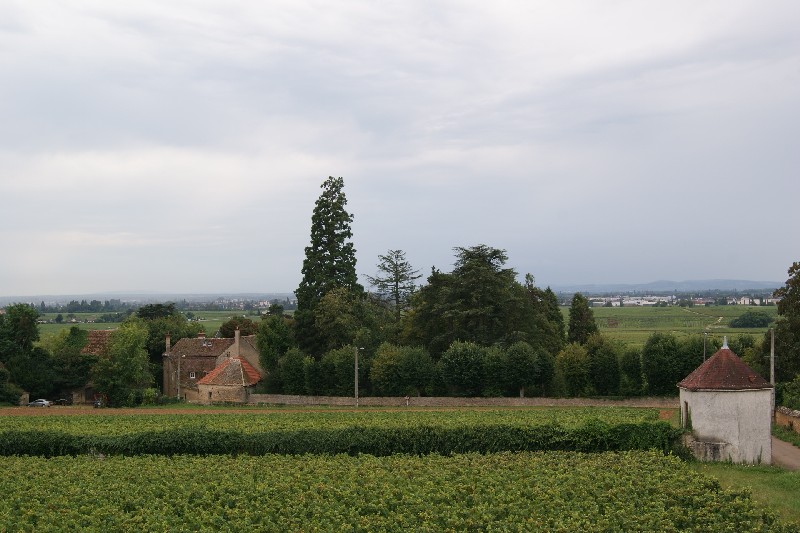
374,432
519,469
553,491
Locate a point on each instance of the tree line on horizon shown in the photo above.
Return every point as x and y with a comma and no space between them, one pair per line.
474,331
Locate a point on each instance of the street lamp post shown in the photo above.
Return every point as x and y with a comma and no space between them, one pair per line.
356,373
705,336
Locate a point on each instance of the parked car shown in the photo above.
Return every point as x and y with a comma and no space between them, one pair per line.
39,403
63,401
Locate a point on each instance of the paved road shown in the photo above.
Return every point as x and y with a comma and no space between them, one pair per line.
785,455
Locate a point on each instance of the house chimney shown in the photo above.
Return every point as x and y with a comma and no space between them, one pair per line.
236,336
169,344
201,335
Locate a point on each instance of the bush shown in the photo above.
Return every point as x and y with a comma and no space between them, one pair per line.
752,319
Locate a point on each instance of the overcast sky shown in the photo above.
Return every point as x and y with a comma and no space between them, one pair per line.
180,146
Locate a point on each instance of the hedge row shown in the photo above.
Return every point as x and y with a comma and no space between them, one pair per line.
594,436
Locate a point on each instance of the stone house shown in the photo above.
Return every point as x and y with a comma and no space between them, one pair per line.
231,381
728,408
192,359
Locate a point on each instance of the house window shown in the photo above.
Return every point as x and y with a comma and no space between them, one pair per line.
191,375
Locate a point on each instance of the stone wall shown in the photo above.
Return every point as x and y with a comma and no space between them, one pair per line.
221,393
427,401
787,418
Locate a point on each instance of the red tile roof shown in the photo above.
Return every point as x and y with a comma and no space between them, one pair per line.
232,371
97,342
723,371
200,347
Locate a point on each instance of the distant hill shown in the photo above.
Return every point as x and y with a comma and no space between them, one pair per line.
738,285
143,297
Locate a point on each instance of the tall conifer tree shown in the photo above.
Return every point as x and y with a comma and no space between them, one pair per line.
330,261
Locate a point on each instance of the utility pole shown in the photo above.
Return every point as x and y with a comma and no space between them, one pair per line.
772,356
356,374
705,336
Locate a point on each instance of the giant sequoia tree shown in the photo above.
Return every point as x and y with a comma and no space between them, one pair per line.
330,262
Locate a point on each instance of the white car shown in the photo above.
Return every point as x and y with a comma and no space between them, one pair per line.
39,403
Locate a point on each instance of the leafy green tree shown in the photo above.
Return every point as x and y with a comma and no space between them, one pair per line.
572,366
495,367
18,329
630,369
523,368
662,364
72,368
395,280
274,338
581,320
604,375
462,368
401,370
292,368
751,319
125,372
546,318
9,393
787,328
244,324
329,263
789,294
33,371
480,302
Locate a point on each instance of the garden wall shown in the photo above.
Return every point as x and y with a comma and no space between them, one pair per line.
788,418
427,401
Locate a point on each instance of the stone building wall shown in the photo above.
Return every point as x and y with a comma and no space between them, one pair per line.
788,418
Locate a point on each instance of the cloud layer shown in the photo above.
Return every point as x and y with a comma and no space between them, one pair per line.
180,146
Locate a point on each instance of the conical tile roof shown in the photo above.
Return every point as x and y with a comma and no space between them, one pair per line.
724,371
232,371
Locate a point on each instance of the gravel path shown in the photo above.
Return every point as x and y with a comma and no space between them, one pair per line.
785,455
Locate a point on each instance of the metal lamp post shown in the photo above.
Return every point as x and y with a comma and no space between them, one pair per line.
356,373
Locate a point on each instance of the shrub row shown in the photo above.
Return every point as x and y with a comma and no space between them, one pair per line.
593,436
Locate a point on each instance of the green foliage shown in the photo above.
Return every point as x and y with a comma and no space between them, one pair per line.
125,372
462,368
787,348
534,491
274,338
292,370
522,367
18,329
376,433
790,394
752,319
9,393
479,302
572,367
630,369
329,263
581,320
244,324
71,367
662,364
395,280
401,370
789,294
603,364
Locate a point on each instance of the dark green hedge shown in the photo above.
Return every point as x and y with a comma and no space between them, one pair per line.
594,436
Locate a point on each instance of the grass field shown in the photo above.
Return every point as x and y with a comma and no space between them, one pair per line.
633,325
210,320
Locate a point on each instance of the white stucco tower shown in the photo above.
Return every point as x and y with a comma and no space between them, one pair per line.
728,407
